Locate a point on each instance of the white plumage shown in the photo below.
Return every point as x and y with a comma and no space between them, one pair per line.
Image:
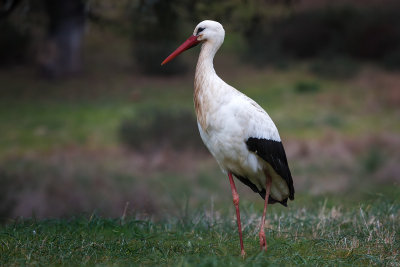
231,118
236,130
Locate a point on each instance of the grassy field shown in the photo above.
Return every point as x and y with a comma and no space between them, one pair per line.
320,233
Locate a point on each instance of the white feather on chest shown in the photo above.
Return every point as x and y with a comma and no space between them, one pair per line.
228,119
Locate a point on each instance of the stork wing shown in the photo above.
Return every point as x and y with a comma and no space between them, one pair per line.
273,152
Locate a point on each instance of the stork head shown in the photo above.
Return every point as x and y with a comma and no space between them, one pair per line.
207,31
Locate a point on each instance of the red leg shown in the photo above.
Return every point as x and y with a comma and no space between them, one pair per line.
263,241
235,196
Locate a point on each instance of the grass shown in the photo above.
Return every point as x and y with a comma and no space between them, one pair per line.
323,232
58,124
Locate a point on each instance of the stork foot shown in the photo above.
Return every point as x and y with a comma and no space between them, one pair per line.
263,241
236,203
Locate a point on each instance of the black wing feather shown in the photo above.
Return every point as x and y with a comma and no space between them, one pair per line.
273,152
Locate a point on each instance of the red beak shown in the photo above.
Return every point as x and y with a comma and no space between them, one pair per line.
189,43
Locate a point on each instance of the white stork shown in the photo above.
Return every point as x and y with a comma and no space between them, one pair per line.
236,130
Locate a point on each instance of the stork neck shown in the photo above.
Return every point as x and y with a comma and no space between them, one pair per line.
205,65
206,84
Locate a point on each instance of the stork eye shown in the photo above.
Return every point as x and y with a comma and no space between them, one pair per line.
199,30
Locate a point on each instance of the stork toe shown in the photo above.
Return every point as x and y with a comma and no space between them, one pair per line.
263,241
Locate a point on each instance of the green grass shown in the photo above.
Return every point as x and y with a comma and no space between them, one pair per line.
319,233
46,125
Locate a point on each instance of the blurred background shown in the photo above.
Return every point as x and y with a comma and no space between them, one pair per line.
91,123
